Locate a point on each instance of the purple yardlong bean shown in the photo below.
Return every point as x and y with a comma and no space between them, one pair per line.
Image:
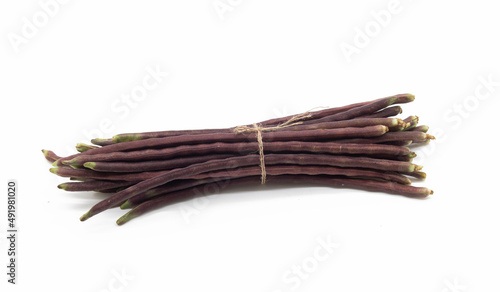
369,185
159,159
271,170
127,137
234,162
356,146
314,135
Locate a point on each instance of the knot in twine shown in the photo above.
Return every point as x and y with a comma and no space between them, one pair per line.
293,121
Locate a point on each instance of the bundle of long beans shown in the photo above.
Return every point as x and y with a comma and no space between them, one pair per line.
358,146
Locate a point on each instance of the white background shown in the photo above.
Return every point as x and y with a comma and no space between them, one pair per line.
63,82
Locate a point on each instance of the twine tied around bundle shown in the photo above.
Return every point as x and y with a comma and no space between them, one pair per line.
293,121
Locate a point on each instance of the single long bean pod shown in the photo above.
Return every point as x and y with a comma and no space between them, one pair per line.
92,185
411,122
422,128
366,109
50,156
110,191
391,123
172,187
386,112
82,147
417,174
143,163
414,136
102,142
369,185
402,143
